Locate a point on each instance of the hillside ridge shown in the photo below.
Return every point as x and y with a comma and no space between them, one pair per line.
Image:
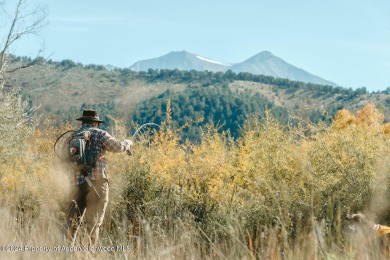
64,88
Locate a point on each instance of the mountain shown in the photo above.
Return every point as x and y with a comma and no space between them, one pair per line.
264,63
181,60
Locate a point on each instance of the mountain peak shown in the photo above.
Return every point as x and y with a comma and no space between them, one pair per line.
265,54
262,56
181,60
178,53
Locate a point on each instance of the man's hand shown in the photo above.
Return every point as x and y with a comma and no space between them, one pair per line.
128,144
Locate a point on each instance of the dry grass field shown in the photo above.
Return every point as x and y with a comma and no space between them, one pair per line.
278,192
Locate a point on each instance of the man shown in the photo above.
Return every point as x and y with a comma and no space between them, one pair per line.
89,196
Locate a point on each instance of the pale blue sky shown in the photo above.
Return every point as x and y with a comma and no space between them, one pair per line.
344,41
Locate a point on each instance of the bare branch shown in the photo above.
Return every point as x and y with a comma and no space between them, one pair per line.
22,23
9,37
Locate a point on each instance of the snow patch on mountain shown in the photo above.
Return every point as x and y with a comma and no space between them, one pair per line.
213,61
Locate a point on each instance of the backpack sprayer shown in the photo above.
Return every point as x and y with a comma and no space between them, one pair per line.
75,147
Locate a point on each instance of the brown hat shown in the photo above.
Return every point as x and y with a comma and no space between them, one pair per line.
90,115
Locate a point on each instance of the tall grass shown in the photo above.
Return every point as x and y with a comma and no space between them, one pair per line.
278,192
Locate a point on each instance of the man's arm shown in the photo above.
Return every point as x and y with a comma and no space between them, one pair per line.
111,144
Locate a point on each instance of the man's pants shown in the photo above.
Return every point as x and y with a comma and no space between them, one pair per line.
84,198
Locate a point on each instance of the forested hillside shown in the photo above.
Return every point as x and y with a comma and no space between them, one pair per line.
199,106
64,88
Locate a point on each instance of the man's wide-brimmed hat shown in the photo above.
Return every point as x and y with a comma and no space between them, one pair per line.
90,115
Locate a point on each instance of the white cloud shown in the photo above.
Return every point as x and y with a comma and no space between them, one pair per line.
87,20
70,29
